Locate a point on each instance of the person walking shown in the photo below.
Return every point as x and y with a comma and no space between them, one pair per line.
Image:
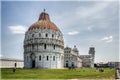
15,65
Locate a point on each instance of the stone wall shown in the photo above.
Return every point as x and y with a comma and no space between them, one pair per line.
10,63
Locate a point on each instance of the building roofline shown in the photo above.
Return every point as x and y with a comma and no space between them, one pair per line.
11,59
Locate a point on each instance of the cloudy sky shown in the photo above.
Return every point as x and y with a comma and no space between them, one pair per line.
83,23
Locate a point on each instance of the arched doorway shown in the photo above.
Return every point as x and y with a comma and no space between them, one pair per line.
72,64
33,63
33,60
66,63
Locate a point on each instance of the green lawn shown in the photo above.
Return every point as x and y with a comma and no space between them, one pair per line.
84,73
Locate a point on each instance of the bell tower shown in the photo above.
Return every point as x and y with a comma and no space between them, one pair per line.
92,51
92,54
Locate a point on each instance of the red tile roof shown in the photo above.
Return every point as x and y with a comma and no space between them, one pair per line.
44,23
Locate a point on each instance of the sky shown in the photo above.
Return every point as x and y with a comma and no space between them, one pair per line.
82,23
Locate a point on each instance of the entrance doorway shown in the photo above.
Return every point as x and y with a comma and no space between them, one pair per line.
33,60
66,64
33,64
72,64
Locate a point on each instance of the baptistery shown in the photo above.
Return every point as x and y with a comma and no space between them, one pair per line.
43,44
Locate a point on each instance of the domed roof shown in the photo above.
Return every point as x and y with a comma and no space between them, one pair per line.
43,23
75,49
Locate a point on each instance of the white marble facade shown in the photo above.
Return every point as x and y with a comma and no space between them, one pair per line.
10,63
71,58
43,45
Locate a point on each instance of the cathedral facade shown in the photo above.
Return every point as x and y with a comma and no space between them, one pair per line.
43,44
44,47
71,58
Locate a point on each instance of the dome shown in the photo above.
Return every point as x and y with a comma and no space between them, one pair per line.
75,49
43,23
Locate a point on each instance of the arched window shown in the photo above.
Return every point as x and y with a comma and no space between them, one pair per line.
46,35
53,58
27,58
39,35
52,35
47,57
45,46
32,35
54,46
32,46
40,58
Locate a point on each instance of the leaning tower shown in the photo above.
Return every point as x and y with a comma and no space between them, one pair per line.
92,54
43,44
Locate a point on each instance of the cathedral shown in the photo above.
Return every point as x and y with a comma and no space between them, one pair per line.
73,59
44,47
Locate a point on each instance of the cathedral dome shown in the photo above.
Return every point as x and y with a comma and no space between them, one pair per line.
44,23
75,49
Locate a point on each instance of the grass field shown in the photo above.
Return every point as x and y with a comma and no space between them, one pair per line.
84,73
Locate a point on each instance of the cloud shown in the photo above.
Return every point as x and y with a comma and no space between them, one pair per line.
0,55
19,29
73,33
87,11
107,39
97,14
89,28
